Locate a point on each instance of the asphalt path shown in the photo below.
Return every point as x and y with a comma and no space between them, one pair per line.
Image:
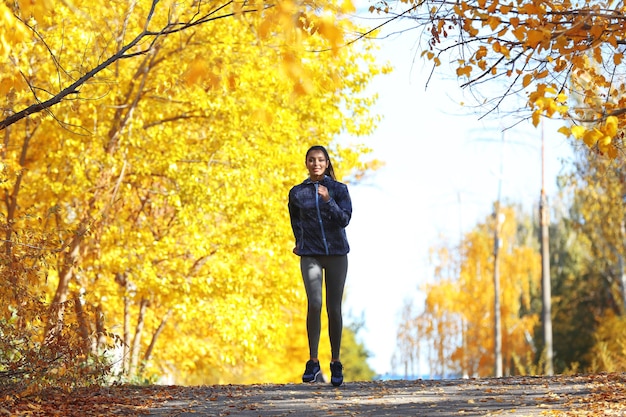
513,396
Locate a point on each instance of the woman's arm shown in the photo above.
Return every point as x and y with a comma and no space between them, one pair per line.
340,205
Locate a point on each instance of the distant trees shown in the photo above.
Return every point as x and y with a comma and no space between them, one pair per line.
453,330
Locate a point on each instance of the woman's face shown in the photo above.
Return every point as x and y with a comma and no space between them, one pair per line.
316,163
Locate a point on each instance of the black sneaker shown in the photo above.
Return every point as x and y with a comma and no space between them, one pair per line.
336,373
311,372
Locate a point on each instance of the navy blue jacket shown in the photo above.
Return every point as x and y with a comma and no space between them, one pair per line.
319,226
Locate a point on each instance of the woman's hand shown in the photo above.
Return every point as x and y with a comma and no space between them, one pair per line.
323,192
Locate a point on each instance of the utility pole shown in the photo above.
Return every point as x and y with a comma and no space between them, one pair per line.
497,311
545,267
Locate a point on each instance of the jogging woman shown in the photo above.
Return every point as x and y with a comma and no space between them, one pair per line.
320,209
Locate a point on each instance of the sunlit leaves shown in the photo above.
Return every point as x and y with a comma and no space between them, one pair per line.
169,170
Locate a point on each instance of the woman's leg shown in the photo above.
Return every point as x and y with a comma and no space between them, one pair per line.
312,276
336,271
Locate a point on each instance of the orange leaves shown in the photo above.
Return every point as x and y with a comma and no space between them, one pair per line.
431,56
520,33
535,37
493,22
464,70
501,49
527,80
530,41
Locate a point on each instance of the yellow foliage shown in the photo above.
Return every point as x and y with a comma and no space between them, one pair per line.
163,181
609,351
456,324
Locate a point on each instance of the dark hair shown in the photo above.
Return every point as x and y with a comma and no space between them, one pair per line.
329,171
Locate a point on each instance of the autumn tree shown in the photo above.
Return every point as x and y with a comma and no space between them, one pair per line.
148,151
507,53
588,265
456,321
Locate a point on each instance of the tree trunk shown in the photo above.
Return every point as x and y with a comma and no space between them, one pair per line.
83,324
100,340
127,341
546,286
10,200
497,311
155,336
56,310
136,346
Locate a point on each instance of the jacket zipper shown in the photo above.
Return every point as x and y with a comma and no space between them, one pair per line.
319,217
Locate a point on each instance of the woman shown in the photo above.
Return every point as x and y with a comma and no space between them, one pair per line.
320,209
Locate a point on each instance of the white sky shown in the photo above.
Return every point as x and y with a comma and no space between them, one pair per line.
441,177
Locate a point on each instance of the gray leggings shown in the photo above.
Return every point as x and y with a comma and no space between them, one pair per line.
335,270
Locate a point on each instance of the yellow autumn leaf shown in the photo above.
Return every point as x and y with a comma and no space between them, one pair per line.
493,21
591,137
578,131
196,70
527,80
603,143
464,71
534,38
328,28
347,6
565,130
617,58
536,117
610,126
